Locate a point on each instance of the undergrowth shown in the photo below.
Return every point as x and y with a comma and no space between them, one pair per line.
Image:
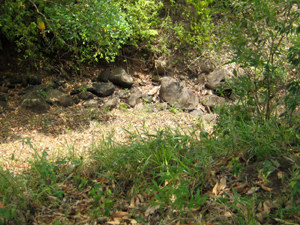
165,174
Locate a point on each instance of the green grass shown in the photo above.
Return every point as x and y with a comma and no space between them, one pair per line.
168,175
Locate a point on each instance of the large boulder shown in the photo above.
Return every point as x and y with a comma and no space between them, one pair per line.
206,65
172,92
57,97
103,89
120,77
34,102
215,78
103,76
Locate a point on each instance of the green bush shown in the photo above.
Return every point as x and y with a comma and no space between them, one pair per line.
87,29
91,29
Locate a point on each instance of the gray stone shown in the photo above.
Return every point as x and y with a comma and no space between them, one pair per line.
59,98
187,99
139,107
3,98
161,66
3,104
172,92
212,100
120,77
85,95
76,99
201,78
15,79
206,65
123,94
134,99
91,103
34,102
215,78
197,112
102,89
209,119
111,103
34,80
103,76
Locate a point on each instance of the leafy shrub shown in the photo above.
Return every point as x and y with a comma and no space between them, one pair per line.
89,29
259,34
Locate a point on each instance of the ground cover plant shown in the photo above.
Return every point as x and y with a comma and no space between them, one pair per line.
168,176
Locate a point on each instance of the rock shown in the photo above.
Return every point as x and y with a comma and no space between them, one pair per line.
3,104
134,98
120,77
139,107
172,92
187,99
157,107
216,77
85,95
102,89
209,119
3,98
156,78
59,82
182,77
59,98
161,66
103,76
76,99
111,103
147,98
206,65
3,89
201,78
212,100
34,102
123,94
34,80
15,79
92,103
197,113
154,90
161,106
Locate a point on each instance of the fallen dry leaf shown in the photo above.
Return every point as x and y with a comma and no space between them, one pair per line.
280,175
266,188
222,183
151,210
252,190
240,188
219,186
120,215
216,189
228,214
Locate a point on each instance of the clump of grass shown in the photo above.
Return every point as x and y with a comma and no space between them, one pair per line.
171,168
150,161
